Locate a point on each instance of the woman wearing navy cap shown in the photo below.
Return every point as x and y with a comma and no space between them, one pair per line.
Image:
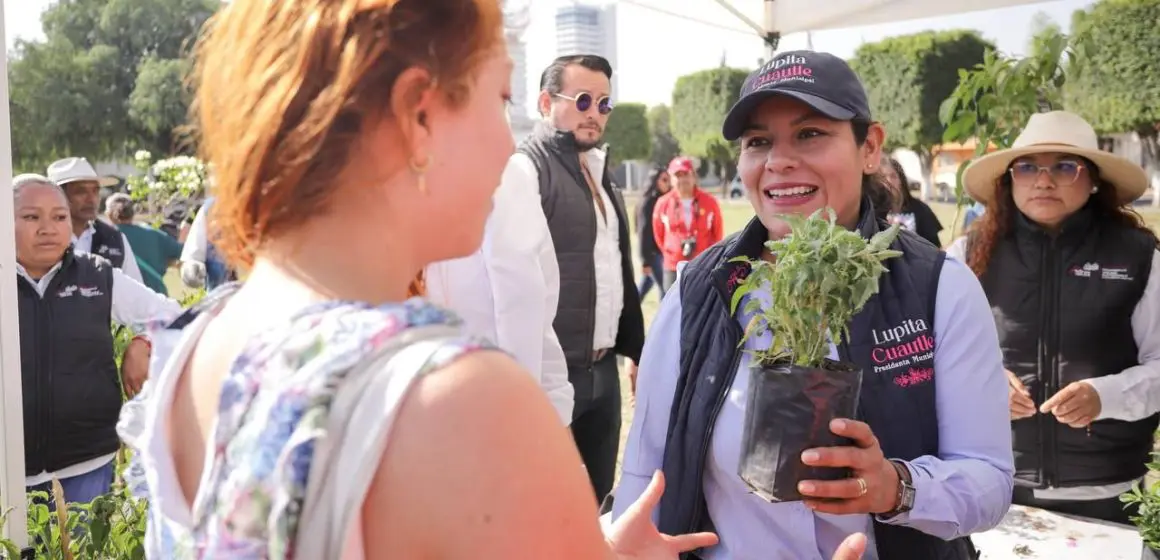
932,462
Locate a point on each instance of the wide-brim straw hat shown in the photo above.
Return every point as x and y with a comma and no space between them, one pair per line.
1057,132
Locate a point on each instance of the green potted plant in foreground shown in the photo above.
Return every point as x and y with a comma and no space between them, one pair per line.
1146,496
822,276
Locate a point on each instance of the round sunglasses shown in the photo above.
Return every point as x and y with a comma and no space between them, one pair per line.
583,101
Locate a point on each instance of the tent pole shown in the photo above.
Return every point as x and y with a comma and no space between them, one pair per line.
770,33
12,414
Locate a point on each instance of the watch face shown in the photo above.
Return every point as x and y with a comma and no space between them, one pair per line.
907,502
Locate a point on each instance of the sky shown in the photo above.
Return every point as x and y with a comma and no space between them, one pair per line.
656,47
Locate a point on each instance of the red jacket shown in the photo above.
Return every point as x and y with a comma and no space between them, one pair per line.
671,230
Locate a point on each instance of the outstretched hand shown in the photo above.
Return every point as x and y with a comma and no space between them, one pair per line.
852,548
634,536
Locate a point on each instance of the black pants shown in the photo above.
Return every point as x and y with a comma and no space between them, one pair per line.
1107,509
596,421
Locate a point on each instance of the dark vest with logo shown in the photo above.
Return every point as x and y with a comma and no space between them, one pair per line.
567,203
891,340
1063,308
72,396
108,243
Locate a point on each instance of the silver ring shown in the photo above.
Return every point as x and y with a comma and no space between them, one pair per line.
862,489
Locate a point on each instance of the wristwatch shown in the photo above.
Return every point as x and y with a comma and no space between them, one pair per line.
905,490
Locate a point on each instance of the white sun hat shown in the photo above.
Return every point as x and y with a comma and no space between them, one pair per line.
1061,132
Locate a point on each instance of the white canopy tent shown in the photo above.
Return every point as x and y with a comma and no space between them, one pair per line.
781,17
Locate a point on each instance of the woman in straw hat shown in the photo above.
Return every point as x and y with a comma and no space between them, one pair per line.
1068,268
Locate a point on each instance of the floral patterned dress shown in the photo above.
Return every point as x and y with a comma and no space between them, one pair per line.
273,410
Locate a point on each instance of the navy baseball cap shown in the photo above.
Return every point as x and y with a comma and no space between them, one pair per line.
821,80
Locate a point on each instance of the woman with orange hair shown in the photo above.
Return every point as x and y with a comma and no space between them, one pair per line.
314,412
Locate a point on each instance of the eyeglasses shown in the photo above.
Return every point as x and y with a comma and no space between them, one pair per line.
1062,173
583,102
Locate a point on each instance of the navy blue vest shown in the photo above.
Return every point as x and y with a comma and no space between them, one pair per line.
892,340
1063,307
72,394
108,243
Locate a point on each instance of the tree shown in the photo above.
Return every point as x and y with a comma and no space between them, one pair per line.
1119,88
700,103
1045,33
627,133
994,100
160,100
908,77
76,92
660,125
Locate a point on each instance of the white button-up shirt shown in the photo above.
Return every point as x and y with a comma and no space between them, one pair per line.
606,258
134,304
84,244
196,246
508,290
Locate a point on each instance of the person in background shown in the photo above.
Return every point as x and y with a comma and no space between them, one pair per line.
155,250
201,264
598,317
652,262
507,291
686,220
931,459
1073,278
973,213
82,186
66,302
914,214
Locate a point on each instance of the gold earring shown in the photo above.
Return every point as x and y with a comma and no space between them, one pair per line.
420,171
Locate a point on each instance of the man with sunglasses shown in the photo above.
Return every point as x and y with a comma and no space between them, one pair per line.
598,315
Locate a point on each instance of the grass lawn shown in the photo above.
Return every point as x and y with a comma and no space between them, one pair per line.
736,215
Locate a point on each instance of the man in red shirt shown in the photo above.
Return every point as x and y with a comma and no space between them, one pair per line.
686,221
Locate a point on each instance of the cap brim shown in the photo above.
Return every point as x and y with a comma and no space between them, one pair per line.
1129,179
737,119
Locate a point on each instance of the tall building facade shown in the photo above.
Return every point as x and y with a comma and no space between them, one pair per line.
517,17
584,28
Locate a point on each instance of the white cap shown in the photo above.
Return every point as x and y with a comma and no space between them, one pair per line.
71,170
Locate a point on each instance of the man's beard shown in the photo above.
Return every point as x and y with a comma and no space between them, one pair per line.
585,146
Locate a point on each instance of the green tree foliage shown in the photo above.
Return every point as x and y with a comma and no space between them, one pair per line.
994,99
660,126
700,102
160,100
1119,88
1045,34
627,133
106,80
909,76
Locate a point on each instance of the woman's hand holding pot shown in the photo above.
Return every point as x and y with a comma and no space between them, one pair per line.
874,487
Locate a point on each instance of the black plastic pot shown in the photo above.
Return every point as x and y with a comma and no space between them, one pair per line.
789,409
